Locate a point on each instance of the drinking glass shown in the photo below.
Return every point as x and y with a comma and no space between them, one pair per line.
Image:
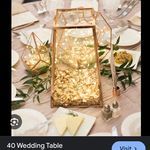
51,6
110,8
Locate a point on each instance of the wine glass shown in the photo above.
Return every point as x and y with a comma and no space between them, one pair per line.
110,8
51,6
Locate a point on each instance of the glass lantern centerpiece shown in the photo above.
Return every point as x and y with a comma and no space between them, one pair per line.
75,61
36,56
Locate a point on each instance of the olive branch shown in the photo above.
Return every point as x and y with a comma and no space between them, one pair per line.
124,71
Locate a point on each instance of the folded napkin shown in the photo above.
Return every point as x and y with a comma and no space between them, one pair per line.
17,8
85,3
136,19
22,20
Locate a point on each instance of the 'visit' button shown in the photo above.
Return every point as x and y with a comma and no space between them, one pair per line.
128,145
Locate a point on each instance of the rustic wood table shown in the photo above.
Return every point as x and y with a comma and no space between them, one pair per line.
129,100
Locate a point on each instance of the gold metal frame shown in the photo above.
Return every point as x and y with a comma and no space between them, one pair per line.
53,66
35,38
93,26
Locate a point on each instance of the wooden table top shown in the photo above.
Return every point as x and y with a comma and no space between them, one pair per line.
129,100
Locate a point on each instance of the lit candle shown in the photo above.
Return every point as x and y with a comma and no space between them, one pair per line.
36,60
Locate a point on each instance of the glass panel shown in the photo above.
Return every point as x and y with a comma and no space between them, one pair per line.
36,55
76,75
72,17
85,17
75,67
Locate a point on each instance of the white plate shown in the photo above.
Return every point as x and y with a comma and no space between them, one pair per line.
14,57
131,126
135,55
13,92
128,37
84,128
101,134
43,34
30,118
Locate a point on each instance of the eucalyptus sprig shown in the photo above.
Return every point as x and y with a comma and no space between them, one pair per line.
17,104
124,72
35,84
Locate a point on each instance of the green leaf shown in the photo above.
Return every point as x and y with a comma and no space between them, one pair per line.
102,71
138,72
38,98
17,104
123,85
105,72
30,81
110,75
34,98
122,77
117,40
46,85
129,64
39,88
91,65
30,73
130,78
123,65
43,69
132,83
118,69
105,61
40,91
103,47
30,90
47,44
131,67
115,47
20,93
37,78
115,54
25,77
101,53
90,45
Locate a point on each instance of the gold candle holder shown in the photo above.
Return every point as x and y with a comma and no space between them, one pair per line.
36,55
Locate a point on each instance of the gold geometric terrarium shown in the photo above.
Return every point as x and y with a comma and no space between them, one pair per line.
36,55
75,61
